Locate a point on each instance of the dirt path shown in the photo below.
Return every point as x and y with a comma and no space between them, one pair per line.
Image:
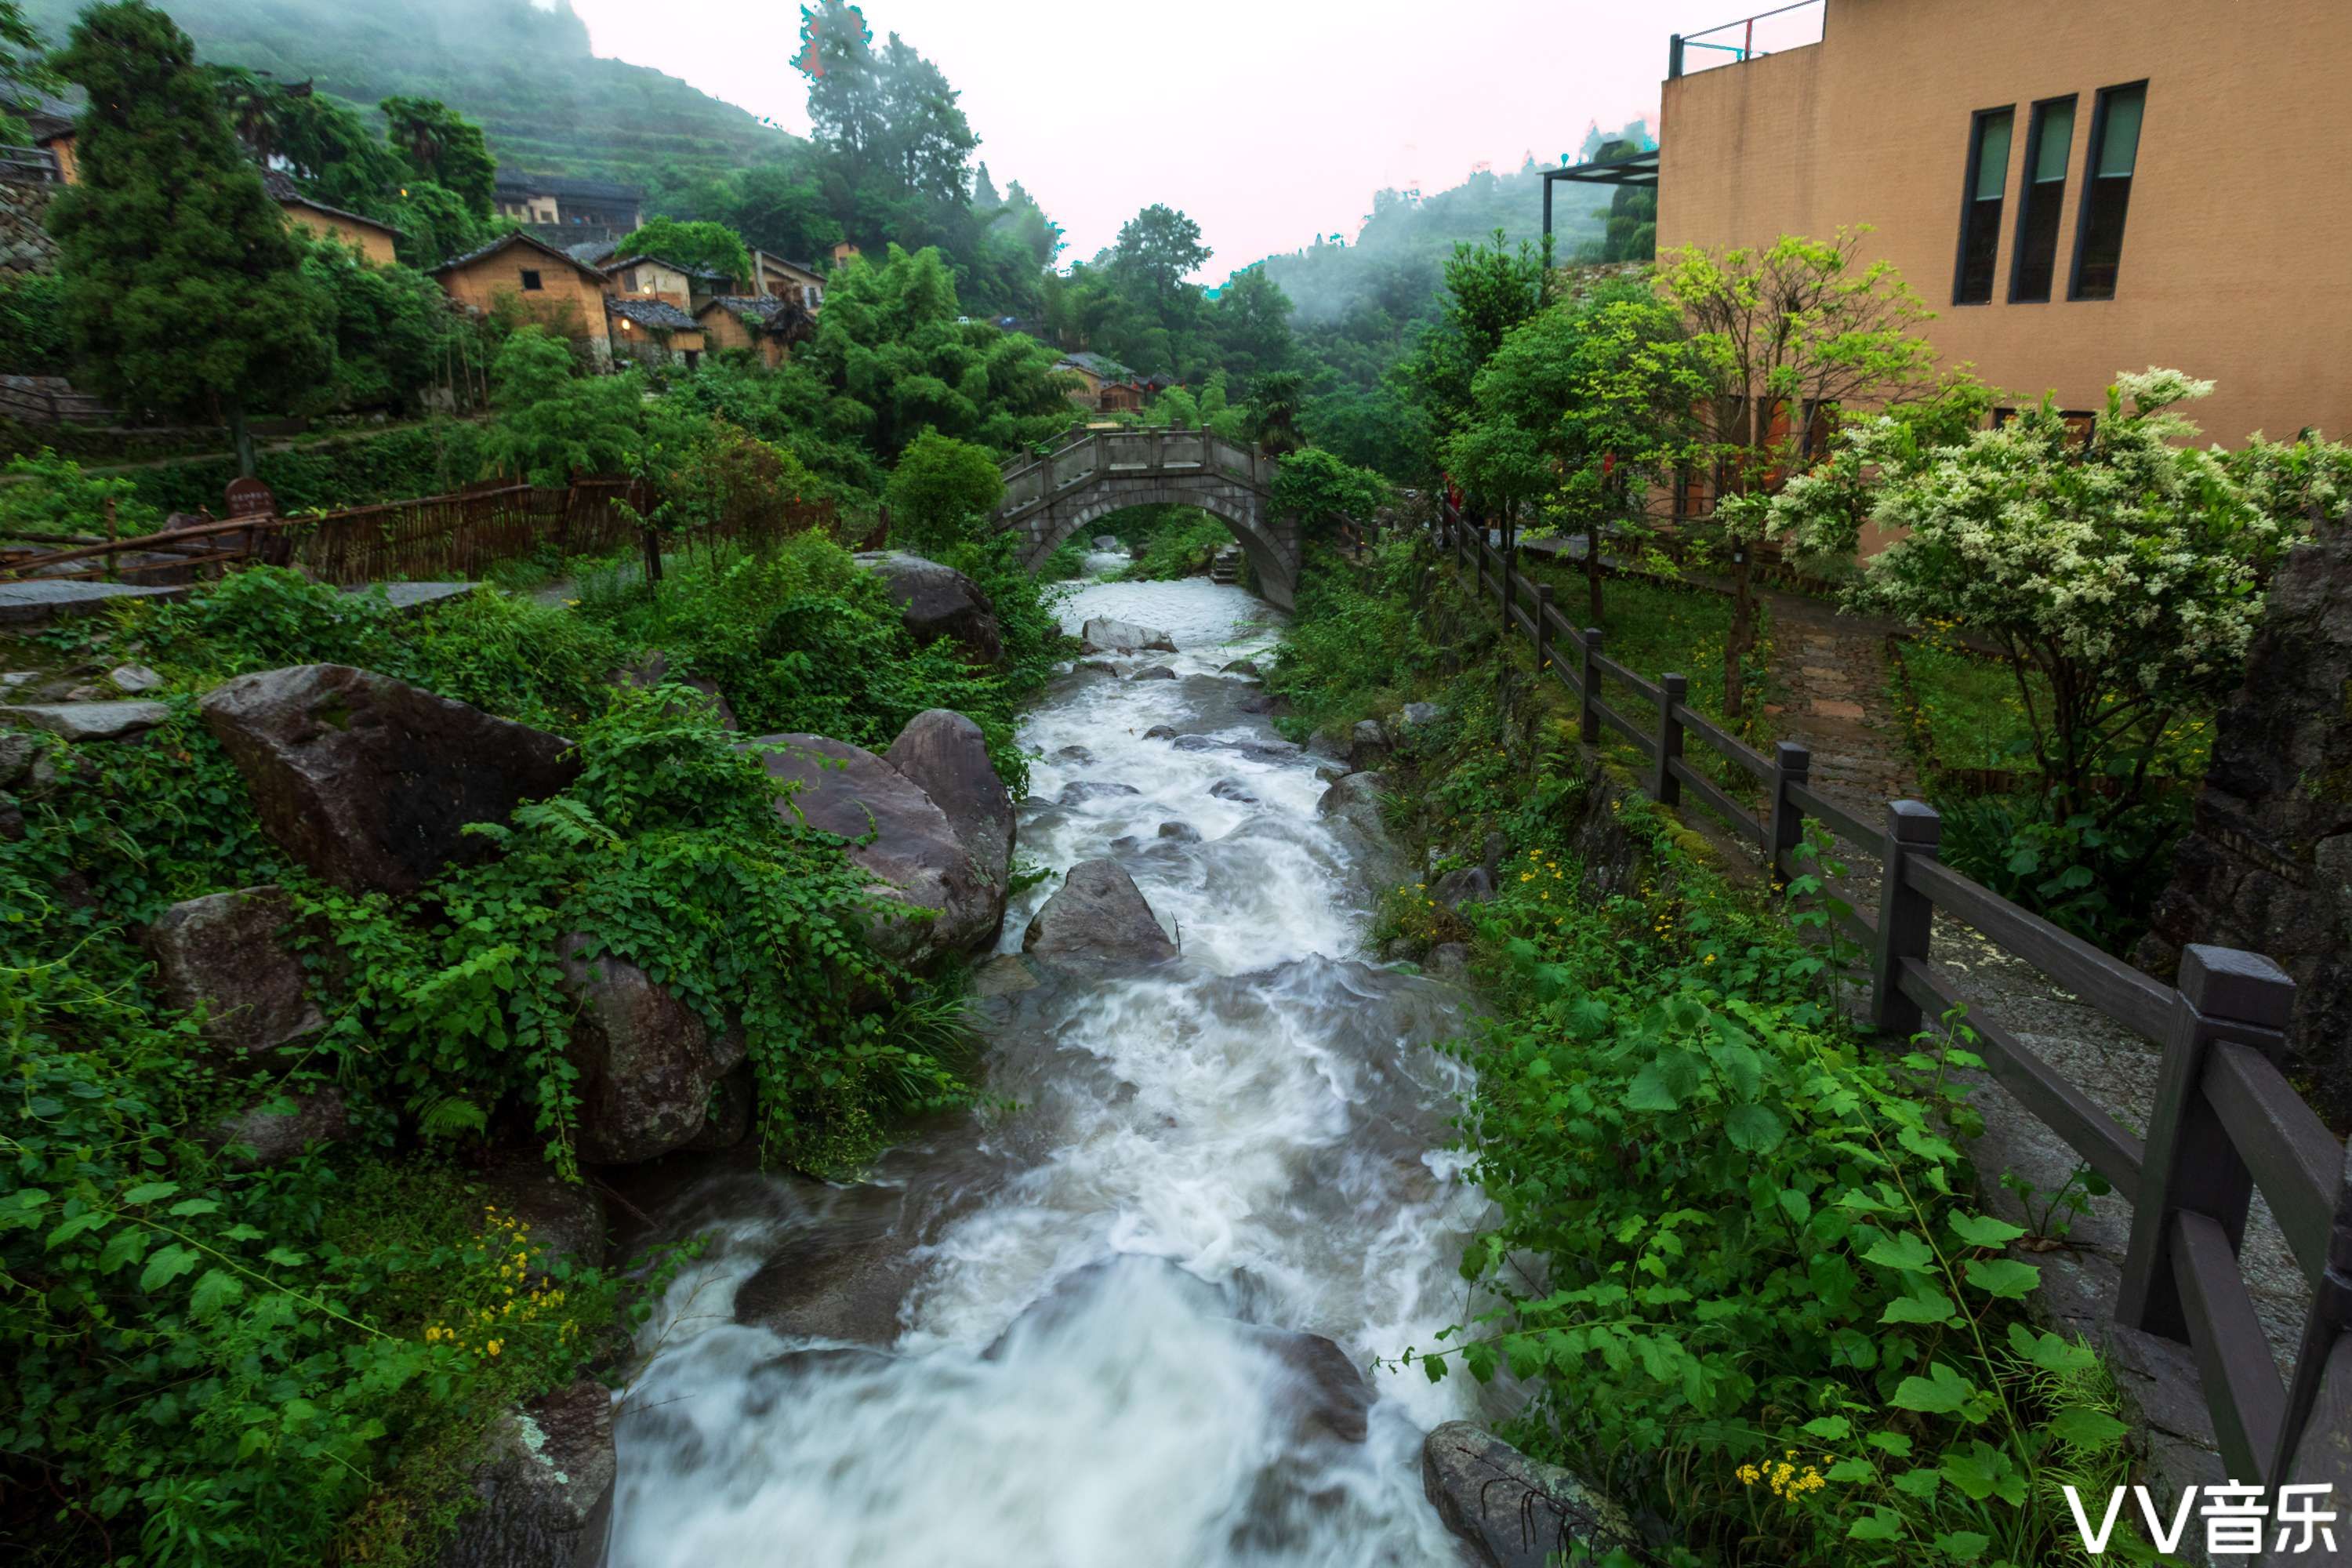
1830,673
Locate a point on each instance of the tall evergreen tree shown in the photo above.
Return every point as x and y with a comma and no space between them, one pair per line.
444,147
183,290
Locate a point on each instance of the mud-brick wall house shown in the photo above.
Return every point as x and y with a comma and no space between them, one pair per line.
565,296
767,325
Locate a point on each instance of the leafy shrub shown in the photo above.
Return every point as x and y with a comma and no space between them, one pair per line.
52,496
427,460
941,491
33,340
1182,545
2095,879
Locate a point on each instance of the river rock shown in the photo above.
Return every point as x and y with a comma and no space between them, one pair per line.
369,780
19,749
1180,832
1449,961
936,601
1355,799
226,953
654,671
1368,747
1084,790
1160,733
545,1479
648,1062
840,1272
1097,916
944,755
1106,541
277,1129
133,680
1416,716
1264,703
915,858
1153,672
1074,754
1004,975
85,722
1103,635
566,1220
1255,751
1514,1512
1232,790
1466,885
1244,666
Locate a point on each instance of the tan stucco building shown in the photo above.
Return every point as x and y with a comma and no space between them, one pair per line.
563,295
2075,190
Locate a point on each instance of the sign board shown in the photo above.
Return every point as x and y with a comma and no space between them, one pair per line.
250,498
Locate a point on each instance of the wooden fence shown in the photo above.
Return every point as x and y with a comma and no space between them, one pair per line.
441,537
2226,1120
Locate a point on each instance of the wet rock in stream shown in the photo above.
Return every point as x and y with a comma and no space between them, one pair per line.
1097,916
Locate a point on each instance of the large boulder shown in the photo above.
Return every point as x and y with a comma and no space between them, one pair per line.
1103,635
916,860
543,1482
226,955
654,671
944,755
369,782
648,1062
559,1219
1514,1511
1355,799
1368,747
85,722
1097,916
936,601
276,1130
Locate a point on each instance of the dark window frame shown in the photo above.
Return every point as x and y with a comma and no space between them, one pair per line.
2086,209
2028,210
531,282
1968,204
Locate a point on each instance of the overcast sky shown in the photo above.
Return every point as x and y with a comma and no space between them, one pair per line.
1269,122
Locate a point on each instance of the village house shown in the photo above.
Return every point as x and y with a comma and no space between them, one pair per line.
1106,385
571,206
767,325
564,296
372,238
2098,225
653,332
652,277
774,274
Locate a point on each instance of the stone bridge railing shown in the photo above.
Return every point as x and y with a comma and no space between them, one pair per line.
1093,455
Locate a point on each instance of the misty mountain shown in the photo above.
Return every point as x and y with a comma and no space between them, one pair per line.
545,103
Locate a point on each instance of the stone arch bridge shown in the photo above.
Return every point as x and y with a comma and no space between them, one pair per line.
1097,472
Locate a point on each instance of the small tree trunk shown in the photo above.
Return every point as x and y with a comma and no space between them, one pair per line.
240,437
1741,639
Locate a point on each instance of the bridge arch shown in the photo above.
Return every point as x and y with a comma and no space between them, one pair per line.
1051,500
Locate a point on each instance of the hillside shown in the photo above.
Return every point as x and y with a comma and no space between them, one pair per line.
547,105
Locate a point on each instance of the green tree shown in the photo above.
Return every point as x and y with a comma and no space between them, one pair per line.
185,292
552,423
708,247
942,491
22,69
1250,324
1790,333
444,147
393,328
1586,408
1274,412
1323,490
1490,288
1157,249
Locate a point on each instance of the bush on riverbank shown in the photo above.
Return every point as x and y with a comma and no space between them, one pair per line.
1732,1267
217,1362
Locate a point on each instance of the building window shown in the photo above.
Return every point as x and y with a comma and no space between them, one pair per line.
530,281
2042,197
1980,205
2114,152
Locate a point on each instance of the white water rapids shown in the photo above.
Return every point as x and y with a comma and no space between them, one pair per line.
1041,1337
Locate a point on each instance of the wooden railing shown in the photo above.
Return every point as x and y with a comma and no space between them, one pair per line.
460,535
2226,1120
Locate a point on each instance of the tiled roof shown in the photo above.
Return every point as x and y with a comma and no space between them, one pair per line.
657,314
518,237
1102,365
282,188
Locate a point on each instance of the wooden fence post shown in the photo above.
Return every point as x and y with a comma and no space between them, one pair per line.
1793,763
1905,916
2191,1165
1665,787
2320,1399
1588,680
1543,629
1510,568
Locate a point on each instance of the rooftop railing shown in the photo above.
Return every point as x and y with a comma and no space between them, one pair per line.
1736,43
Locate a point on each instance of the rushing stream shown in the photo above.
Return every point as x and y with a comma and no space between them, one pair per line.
1069,1330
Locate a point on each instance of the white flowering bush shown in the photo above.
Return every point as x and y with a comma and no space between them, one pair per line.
2121,564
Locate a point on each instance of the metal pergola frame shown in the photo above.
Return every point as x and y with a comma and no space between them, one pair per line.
1635,169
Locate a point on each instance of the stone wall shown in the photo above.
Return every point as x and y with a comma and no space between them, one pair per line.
24,243
2268,864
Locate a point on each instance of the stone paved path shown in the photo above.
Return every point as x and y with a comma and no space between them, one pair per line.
1828,674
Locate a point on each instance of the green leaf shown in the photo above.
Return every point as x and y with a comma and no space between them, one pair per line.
1848,1471
1940,1392
88,1220
2081,1427
1831,1428
215,1292
151,1191
1963,1545
1978,1471
2003,1278
1648,1091
1927,1305
1983,1230
1754,1128
1905,1250
128,1245
1883,1524
187,1207
166,1266
1921,1484
1894,1443
1795,1205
